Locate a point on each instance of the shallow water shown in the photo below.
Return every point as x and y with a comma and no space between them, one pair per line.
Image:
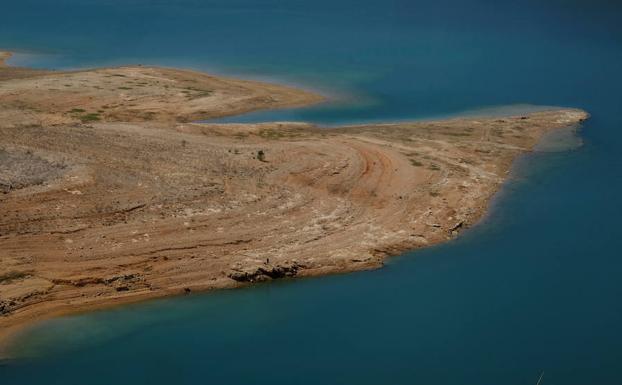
534,288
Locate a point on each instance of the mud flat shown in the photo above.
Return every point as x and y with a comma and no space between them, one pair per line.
109,194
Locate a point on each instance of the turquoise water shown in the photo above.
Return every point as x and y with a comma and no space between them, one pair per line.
534,288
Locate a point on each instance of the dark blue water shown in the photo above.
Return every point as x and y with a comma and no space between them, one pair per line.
534,288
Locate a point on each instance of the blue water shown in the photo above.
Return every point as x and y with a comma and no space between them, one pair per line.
536,287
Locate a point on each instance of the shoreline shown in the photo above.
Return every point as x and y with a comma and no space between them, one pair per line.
4,56
10,335
203,197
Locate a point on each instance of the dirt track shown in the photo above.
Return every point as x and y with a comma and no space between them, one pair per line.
110,197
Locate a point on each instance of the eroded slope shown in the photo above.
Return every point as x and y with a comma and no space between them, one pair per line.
135,203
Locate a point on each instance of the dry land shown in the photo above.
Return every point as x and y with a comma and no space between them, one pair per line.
108,194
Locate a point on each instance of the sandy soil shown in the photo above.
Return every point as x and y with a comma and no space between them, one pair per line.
108,195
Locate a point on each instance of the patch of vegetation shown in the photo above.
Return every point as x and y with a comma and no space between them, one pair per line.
261,156
202,94
271,134
415,163
124,88
434,167
92,117
12,276
196,93
85,117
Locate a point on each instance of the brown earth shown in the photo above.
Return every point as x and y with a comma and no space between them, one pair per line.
108,195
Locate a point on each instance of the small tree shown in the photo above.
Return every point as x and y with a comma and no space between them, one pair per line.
261,156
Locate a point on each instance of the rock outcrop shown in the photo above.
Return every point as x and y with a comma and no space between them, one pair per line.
264,272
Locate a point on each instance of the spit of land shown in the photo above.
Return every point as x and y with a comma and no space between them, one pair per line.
110,194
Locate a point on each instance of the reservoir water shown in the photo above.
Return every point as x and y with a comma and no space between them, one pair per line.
536,287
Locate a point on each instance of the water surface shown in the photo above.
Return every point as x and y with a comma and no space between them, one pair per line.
534,288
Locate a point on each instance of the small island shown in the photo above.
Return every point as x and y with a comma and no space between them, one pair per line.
110,193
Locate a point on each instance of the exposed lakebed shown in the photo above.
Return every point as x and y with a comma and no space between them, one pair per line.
535,287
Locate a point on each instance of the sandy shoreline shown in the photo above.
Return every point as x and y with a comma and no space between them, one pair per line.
109,196
4,56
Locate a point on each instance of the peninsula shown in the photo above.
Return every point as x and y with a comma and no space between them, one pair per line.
109,193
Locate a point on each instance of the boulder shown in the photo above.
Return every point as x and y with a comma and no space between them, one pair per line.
264,272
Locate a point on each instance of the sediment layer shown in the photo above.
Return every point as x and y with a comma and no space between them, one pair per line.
109,195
